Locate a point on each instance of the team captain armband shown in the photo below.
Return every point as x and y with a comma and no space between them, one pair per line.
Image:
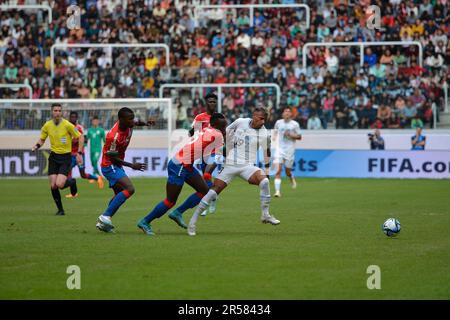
112,153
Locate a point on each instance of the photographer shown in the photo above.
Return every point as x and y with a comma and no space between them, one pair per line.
376,141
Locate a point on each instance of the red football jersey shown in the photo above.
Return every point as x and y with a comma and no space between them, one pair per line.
116,140
206,142
201,121
80,129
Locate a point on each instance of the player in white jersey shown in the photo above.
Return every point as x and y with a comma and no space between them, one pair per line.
245,137
286,132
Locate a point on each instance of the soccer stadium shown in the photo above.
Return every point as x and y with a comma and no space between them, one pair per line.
224,150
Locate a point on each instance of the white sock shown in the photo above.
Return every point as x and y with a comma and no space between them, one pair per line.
264,194
277,183
204,203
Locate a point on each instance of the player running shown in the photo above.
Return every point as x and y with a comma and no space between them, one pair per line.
96,137
201,121
73,118
181,169
287,131
116,144
245,137
61,133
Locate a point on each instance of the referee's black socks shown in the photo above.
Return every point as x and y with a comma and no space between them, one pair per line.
72,183
57,197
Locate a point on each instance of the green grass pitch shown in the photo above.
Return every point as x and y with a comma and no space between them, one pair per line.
329,234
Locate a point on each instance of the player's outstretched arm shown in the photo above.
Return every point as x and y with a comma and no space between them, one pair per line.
140,123
114,156
38,144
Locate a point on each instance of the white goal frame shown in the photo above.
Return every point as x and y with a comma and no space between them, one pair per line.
18,86
5,7
29,103
105,45
362,45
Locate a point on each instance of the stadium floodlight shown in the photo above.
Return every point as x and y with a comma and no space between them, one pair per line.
105,109
252,7
18,86
5,7
362,45
219,87
105,45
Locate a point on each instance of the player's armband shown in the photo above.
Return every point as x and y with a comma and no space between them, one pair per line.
112,153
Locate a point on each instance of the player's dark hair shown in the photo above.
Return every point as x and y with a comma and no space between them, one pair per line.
95,118
284,108
261,109
211,95
215,118
124,112
55,105
74,113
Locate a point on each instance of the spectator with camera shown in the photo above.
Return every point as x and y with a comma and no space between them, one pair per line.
376,140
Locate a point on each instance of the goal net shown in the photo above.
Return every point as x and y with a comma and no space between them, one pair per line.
21,121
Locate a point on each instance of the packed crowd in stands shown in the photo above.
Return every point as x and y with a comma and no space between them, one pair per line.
390,89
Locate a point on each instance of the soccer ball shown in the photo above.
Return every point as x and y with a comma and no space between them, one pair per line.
391,227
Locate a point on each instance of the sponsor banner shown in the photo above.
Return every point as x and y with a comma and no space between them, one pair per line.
16,163
372,164
308,163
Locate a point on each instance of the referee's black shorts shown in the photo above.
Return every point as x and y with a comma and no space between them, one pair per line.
59,163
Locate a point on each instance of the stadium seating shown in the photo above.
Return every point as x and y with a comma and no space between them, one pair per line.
388,91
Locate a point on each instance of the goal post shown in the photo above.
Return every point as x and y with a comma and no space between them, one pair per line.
22,119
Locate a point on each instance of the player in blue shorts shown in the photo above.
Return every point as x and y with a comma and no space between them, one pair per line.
181,169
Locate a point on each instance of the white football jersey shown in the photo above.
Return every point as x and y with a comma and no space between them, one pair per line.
285,144
243,142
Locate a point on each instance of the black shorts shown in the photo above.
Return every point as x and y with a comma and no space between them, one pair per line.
59,163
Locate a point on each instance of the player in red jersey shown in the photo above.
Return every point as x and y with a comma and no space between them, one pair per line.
73,118
180,168
201,121
113,156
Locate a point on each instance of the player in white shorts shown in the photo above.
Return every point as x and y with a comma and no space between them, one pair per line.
286,132
245,137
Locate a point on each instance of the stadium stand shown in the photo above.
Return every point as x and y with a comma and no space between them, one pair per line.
388,91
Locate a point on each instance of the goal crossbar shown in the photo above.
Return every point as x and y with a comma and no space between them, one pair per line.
4,7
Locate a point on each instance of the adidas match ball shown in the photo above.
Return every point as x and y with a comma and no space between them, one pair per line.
391,227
